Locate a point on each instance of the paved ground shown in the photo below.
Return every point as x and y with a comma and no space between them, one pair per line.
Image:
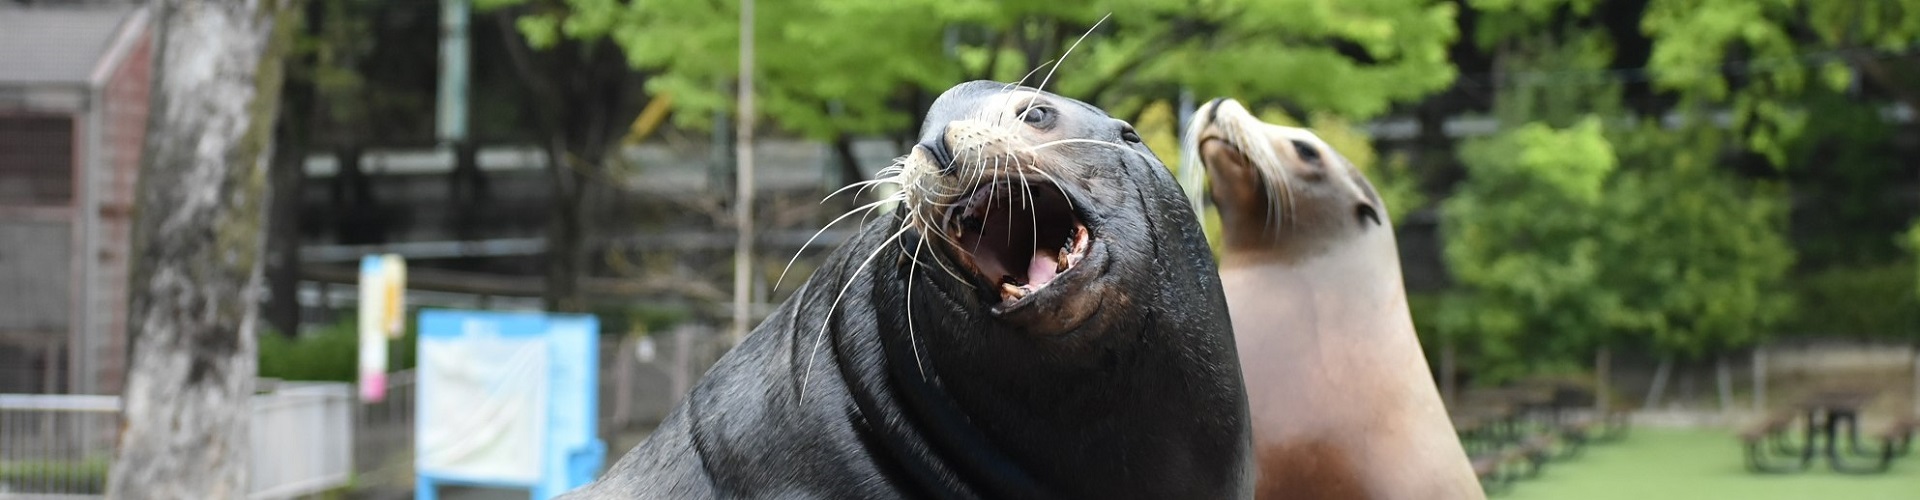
391,489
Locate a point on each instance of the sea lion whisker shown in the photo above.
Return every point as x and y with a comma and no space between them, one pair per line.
1055,182
823,229
1037,147
1069,52
913,341
861,185
1033,217
853,276
1023,79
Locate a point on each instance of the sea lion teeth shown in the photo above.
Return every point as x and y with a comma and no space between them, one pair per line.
1010,292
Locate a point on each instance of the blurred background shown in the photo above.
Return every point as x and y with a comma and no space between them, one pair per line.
1694,217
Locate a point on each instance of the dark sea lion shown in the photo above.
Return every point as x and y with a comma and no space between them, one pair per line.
1039,318
1342,401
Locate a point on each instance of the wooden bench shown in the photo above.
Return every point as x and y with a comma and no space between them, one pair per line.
1772,431
1894,440
1900,435
1493,471
1538,449
1574,436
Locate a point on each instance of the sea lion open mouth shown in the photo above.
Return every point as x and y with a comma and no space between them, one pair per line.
1038,317
1018,235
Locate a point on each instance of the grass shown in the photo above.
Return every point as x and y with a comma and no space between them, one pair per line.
1660,464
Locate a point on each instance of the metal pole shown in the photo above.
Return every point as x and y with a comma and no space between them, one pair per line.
451,123
743,187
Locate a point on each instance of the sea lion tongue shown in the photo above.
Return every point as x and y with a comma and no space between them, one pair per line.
1043,267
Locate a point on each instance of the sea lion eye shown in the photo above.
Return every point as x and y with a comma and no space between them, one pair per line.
1306,151
1127,134
1038,116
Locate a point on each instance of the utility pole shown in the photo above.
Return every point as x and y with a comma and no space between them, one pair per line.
743,186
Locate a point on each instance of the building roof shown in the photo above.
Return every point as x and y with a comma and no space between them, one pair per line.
58,44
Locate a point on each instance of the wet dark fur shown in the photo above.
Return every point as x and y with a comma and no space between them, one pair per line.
1144,400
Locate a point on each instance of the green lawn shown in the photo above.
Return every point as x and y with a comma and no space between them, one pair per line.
1660,464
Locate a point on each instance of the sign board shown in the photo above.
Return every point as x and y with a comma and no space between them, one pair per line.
506,400
383,316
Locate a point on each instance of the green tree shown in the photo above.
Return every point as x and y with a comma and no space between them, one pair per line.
1758,56
830,70
1697,255
1522,234
1570,235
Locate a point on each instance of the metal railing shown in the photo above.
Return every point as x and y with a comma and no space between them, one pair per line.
62,445
302,440
383,438
56,444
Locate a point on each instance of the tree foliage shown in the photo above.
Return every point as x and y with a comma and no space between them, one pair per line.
1756,56
1912,242
1523,235
828,69
1697,254
1580,226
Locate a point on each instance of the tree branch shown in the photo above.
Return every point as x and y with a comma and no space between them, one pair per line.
1877,71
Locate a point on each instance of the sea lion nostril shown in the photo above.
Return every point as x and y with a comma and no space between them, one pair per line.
936,147
1364,212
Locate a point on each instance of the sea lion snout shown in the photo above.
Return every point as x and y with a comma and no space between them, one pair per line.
937,151
1010,180
1283,189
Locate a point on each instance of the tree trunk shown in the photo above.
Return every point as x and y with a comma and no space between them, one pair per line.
577,87
1448,373
849,165
197,250
467,191
1759,380
1723,377
1659,383
283,216
564,253
1602,386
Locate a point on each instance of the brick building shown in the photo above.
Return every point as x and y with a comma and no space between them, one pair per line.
74,79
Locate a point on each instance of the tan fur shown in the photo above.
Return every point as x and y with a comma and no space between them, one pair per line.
1341,397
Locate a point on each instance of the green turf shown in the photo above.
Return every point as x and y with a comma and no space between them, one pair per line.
1660,464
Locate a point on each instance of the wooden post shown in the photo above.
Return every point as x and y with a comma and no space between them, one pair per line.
1759,379
1723,380
1659,385
1602,388
743,187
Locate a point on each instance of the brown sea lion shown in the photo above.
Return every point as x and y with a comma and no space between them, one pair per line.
1040,318
1343,403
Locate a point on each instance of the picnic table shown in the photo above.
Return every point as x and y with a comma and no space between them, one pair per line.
1824,415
